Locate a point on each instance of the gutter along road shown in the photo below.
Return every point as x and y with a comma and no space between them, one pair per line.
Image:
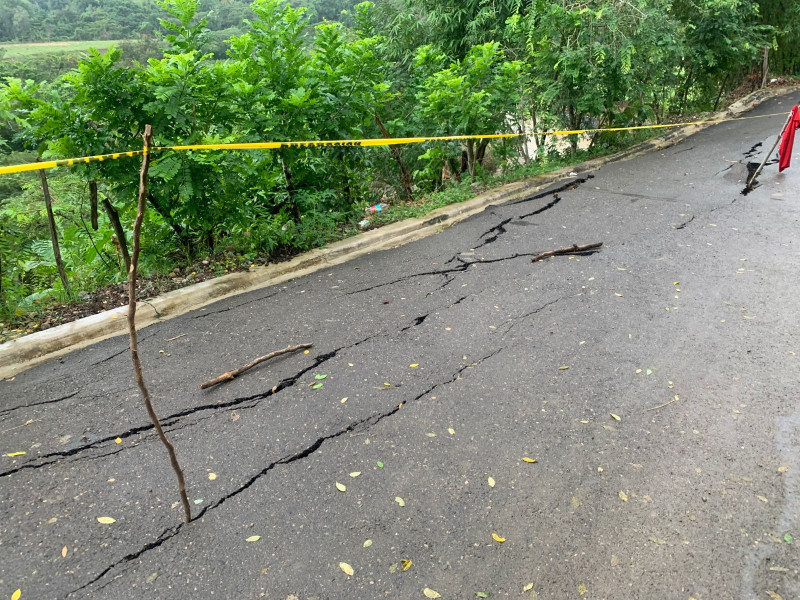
679,498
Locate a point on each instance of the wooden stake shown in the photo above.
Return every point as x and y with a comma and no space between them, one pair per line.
137,364
51,221
571,250
236,372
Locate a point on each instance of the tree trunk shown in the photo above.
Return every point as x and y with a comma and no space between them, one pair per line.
398,159
287,174
719,96
53,231
180,232
471,158
455,169
93,203
137,364
481,153
765,67
116,225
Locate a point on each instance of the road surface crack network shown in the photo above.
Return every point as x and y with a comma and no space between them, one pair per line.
358,426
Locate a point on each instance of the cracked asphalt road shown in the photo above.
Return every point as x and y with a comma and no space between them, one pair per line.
692,295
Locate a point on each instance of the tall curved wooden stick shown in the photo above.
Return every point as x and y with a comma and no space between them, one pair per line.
137,364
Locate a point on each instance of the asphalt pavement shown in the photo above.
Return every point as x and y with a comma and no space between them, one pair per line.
653,382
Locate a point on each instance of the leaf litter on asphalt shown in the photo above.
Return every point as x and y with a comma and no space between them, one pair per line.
346,568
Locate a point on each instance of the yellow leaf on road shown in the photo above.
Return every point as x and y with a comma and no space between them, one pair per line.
528,587
253,538
451,431
615,417
497,538
623,496
581,589
783,469
762,498
16,595
355,473
528,459
414,365
399,500
212,476
491,482
563,368
368,543
575,502
432,594
106,520
64,551
341,487
13,454
118,440
406,564
346,568
773,595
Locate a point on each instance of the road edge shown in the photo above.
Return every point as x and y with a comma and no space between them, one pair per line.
26,352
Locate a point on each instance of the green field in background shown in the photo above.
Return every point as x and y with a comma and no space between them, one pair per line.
13,51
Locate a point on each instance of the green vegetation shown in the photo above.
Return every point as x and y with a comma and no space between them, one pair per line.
397,68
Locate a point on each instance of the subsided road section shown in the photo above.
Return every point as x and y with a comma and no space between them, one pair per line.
692,295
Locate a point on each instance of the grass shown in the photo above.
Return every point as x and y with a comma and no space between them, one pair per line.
20,51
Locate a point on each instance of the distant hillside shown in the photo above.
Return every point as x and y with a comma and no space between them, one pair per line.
60,20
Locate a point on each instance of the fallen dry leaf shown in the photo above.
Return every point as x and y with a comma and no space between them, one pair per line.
623,496
406,564
528,459
563,367
783,469
106,520
13,454
575,502
399,500
212,476
658,541
368,543
118,440
355,473
491,482
451,431
343,400
253,538
346,568
429,593
615,417
773,595
762,498
527,587
414,365
16,595
497,538
582,589
614,560
341,487
64,551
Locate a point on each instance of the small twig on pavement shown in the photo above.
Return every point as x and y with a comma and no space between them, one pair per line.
675,399
175,338
236,372
572,249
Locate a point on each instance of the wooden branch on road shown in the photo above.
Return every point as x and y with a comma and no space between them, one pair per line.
236,372
571,250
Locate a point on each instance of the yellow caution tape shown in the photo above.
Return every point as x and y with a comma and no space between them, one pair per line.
68,162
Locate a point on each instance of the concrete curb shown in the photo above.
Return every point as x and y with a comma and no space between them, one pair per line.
25,352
